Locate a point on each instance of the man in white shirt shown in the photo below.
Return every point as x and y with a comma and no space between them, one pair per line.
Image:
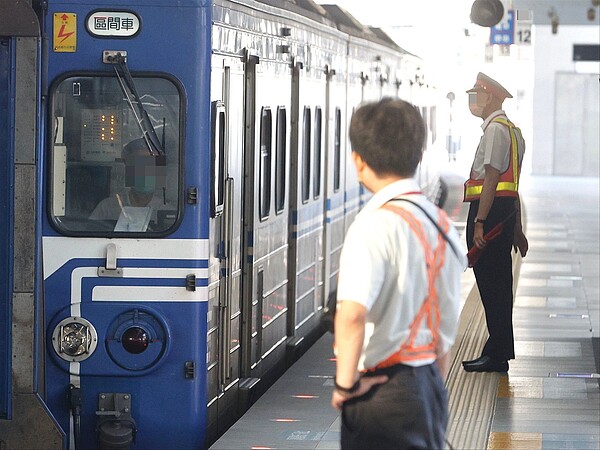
398,292
492,190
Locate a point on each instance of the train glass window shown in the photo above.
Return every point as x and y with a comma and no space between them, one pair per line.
317,147
306,133
280,159
266,125
105,180
218,157
337,150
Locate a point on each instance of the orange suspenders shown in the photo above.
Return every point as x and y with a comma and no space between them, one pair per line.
429,310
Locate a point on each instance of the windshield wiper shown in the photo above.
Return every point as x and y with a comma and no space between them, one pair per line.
155,146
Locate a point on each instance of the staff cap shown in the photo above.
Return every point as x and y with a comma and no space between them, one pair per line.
487,84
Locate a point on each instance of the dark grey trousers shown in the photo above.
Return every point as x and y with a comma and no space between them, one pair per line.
493,273
410,411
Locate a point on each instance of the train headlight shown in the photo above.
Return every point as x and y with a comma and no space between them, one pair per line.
74,339
135,340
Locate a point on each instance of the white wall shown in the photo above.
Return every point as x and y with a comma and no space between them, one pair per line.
554,53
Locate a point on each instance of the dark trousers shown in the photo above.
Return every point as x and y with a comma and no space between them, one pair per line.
410,411
493,273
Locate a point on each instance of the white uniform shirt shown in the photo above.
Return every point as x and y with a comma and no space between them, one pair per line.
110,208
382,267
494,147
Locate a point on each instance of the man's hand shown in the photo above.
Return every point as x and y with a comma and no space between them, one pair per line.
520,243
365,385
478,239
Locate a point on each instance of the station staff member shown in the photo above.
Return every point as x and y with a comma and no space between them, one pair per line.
492,190
398,293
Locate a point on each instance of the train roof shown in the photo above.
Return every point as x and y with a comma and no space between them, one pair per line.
347,23
383,36
338,17
306,8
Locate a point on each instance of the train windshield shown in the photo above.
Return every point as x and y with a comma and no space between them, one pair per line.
106,178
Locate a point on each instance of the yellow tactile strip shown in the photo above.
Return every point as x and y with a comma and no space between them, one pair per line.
514,441
520,387
472,396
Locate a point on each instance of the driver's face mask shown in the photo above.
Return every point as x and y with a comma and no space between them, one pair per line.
145,173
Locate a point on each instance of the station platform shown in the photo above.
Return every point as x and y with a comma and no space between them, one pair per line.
549,399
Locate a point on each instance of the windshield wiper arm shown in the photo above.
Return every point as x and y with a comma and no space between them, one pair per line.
154,144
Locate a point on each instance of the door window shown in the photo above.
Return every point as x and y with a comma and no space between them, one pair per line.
266,140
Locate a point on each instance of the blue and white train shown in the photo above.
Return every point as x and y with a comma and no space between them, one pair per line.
151,295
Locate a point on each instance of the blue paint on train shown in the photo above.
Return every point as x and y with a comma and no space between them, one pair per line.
6,213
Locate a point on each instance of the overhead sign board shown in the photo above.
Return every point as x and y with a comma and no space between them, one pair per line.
113,24
503,33
523,32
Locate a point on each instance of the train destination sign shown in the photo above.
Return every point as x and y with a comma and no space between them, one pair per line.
113,24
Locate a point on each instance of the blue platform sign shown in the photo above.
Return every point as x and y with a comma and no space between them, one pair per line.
504,32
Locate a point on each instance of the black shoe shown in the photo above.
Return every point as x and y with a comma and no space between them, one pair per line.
485,364
472,361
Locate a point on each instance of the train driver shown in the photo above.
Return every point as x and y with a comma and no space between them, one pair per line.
135,206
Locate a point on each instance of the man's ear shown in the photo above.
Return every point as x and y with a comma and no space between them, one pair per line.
491,101
359,163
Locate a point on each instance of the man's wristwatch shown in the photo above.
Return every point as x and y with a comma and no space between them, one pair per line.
481,221
350,390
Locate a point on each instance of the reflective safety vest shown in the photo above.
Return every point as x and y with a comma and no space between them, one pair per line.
429,312
508,183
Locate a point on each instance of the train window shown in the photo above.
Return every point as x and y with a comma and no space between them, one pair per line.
105,177
337,148
264,196
317,147
280,159
218,157
306,133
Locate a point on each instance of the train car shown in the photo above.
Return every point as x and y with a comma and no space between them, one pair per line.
191,187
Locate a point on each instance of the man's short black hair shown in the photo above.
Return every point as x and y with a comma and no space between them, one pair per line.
388,135
139,147
132,147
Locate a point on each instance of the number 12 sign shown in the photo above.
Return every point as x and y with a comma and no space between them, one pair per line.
523,34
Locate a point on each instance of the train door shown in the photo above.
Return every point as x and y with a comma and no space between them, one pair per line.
265,216
307,201
224,314
355,80
335,161
371,92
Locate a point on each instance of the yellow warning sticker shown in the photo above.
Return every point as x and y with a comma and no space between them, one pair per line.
65,32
